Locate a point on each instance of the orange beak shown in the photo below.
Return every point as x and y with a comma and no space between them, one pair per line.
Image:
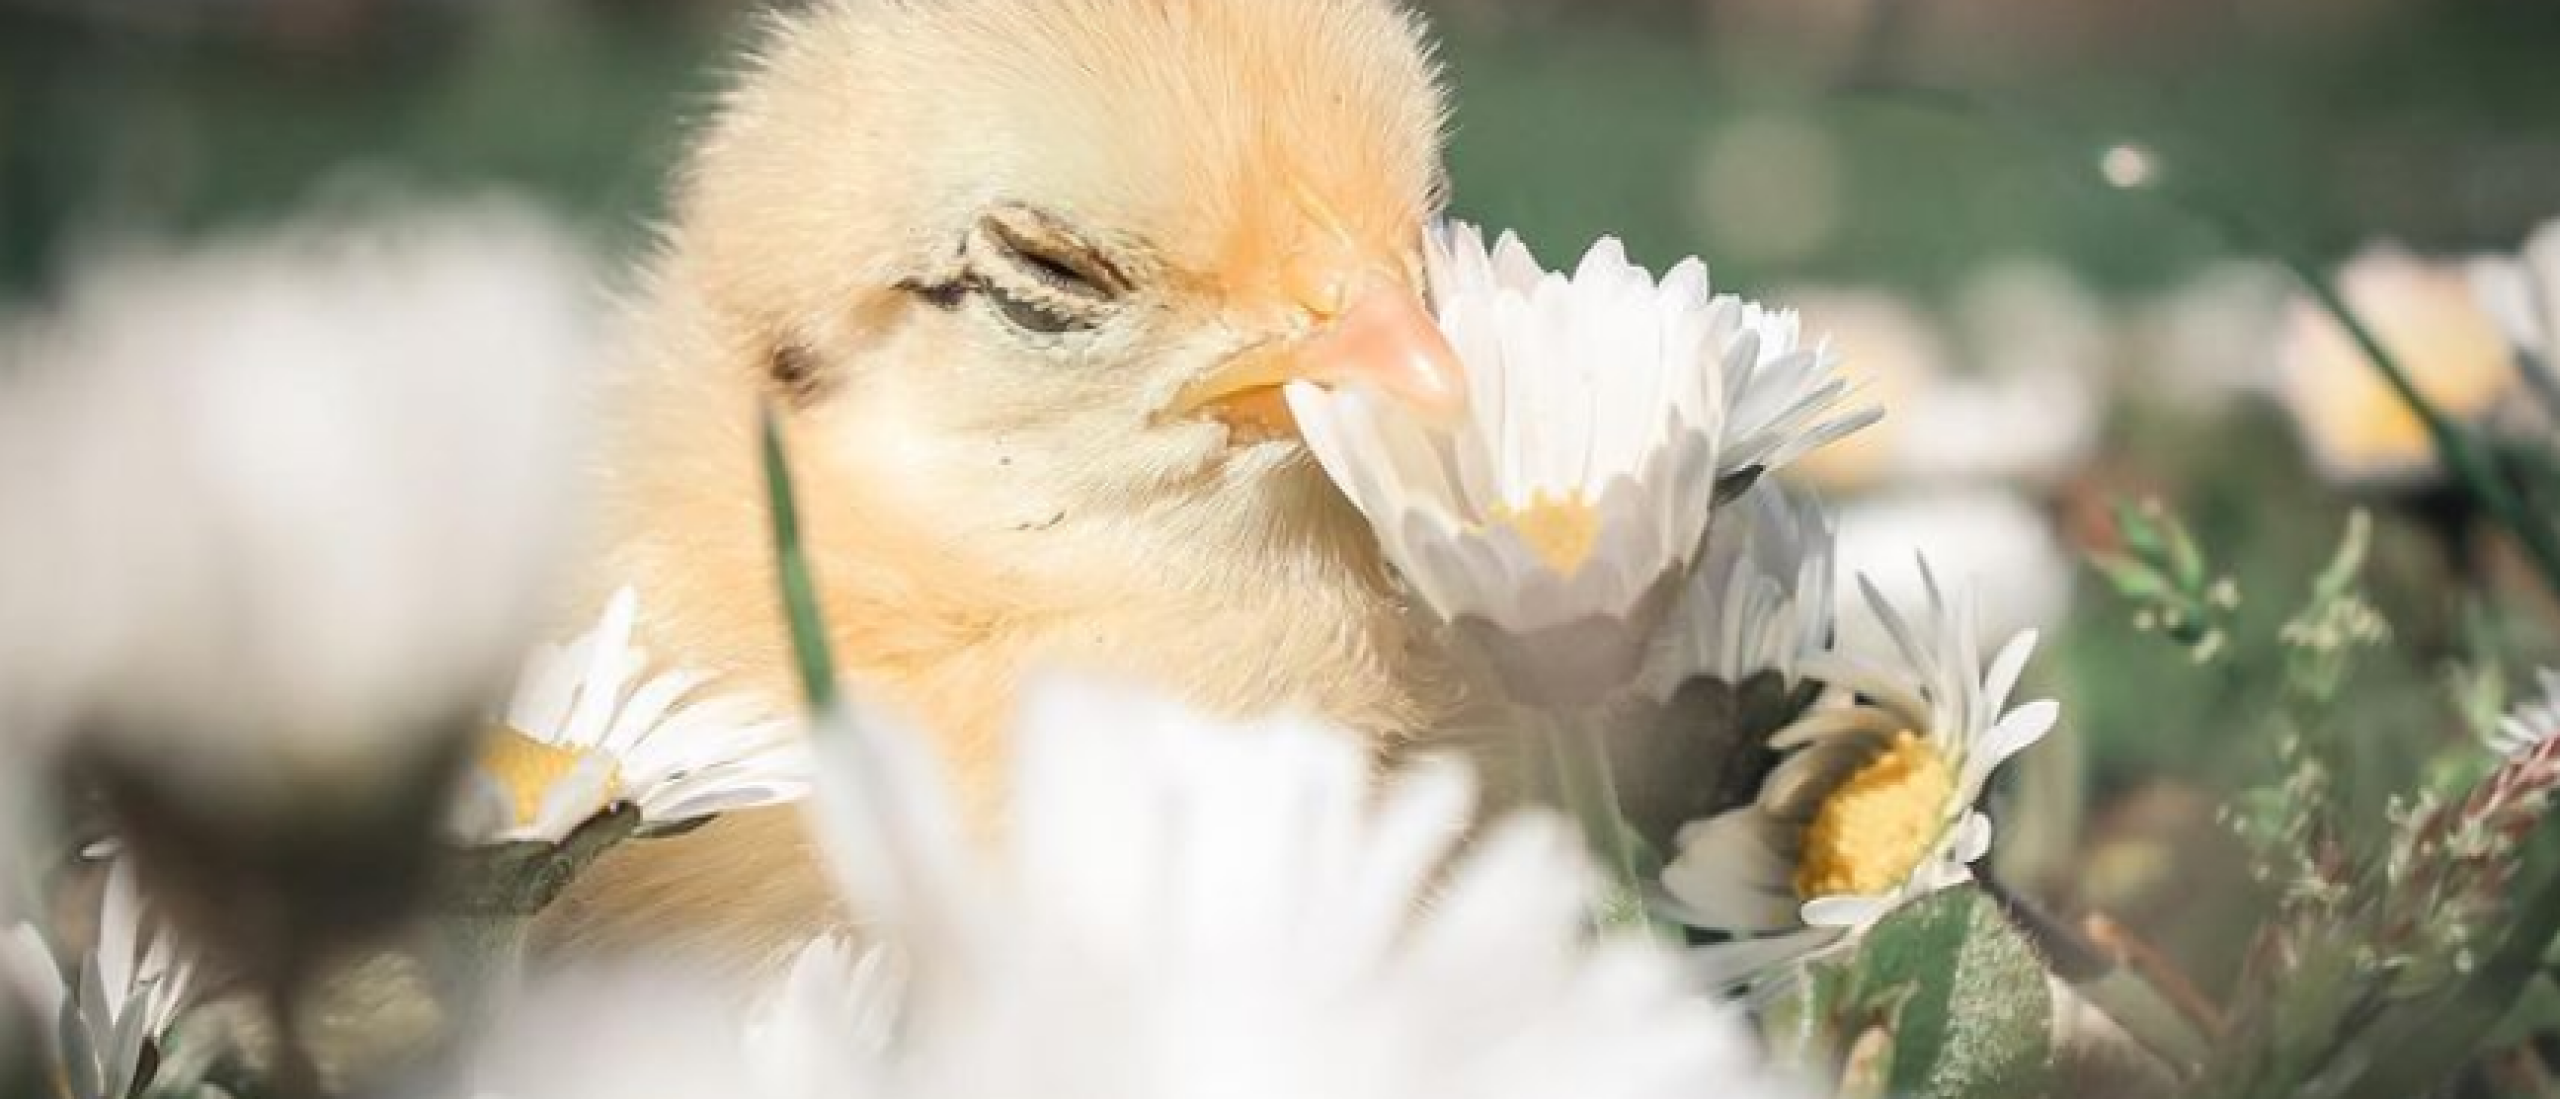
1381,337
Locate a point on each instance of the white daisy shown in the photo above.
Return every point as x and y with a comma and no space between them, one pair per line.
2205,341
1874,806
591,727
1760,598
1605,409
1182,907
115,1003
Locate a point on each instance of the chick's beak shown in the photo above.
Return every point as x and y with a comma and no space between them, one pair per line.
1381,337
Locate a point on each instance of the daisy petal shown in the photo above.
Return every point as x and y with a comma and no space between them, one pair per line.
1729,877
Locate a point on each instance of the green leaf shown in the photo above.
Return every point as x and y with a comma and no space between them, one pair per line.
2134,523
2132,579
1965,997
2186,561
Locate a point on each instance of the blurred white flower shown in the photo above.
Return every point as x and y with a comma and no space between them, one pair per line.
2028,413
2425,313
1760,598
591,727
638,1032
817,1026
1555,520
103,1009
277,504
2522,293
1991,539
2028,317
1183,907
1874,805
1178,908
2208,341
837,1004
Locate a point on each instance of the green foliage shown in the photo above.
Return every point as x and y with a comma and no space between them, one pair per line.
2337,624
2165,576
1962,995
2365,977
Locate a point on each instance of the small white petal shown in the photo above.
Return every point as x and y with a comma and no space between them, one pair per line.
1845,912
1721,965
2013,734
1730,877
1972,839
2005,669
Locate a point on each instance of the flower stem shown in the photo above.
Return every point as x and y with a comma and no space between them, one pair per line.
2453,442
1586,786
791,564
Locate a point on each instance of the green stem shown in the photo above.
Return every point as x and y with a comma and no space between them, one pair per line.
2453,443
791,562
480,965
1587,787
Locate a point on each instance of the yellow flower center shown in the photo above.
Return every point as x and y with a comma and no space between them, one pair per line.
1561,530
1874,830
529,768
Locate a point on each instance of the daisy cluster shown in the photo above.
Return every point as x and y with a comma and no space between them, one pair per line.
1608,525
1176,905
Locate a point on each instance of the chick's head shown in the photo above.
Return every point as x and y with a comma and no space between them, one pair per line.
1050,262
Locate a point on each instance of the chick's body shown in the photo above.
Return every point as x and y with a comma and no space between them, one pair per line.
1023,276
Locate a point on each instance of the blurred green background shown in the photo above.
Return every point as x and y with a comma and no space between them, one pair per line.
1950,160
2331,120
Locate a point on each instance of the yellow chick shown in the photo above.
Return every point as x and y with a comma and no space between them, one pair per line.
1025,278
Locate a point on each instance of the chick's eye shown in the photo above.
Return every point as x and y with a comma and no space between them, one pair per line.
1039,275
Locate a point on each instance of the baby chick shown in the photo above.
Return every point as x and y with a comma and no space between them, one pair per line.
1025,278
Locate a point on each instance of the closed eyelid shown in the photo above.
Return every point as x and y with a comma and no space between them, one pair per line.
1045,241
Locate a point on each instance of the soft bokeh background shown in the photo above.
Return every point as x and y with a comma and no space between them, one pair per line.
1968,193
